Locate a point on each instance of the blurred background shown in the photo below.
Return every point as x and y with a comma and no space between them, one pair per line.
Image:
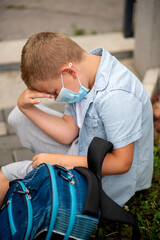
128,29
19,18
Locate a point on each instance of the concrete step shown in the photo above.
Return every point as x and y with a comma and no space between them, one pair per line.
11,85
114,42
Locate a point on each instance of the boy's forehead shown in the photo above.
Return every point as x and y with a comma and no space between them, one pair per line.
46,85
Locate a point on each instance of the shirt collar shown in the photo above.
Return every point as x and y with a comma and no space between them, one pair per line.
102,76
104,69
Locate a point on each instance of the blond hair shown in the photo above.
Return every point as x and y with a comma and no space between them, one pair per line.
45,53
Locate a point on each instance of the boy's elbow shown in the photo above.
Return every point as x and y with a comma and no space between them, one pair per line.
67,140
126,166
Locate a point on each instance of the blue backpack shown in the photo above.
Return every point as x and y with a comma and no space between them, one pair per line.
52,202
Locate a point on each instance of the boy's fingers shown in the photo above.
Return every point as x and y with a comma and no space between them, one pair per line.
34,165
32,101
34,158
39,95
35,101
52,96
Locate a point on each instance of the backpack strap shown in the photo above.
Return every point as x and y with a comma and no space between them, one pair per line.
92,203
54,201
50,234
25,192
109,209
97,151
73,206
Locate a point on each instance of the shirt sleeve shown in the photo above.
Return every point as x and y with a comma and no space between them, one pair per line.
121,113
68,110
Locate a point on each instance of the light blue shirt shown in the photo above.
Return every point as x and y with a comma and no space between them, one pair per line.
119,110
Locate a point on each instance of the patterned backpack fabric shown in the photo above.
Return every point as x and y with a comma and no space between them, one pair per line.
52,202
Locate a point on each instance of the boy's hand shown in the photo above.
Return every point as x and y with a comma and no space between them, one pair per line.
42,158
29,97
67,161
49,158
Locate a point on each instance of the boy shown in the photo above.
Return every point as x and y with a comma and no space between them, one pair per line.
104,99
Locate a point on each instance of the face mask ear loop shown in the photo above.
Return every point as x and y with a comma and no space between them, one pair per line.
62,80
70,65
79,80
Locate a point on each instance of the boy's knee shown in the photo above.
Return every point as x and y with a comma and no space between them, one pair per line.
13,118
2,176
4,186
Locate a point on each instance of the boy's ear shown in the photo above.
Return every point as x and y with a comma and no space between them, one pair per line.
70,71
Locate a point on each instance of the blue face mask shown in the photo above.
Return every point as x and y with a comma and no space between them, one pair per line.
69,96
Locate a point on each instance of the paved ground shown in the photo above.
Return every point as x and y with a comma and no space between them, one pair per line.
20,18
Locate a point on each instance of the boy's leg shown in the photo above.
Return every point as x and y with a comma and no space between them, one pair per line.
16,170
4,186
33,137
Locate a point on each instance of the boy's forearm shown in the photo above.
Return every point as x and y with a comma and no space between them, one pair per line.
111,164
55,127
63,130
67,161
119,161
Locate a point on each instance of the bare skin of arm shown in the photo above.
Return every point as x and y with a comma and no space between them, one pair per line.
65,130
62,129
117,162
4,186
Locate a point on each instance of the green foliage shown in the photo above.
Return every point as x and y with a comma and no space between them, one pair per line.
145,205
94,32
77,31
19,7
